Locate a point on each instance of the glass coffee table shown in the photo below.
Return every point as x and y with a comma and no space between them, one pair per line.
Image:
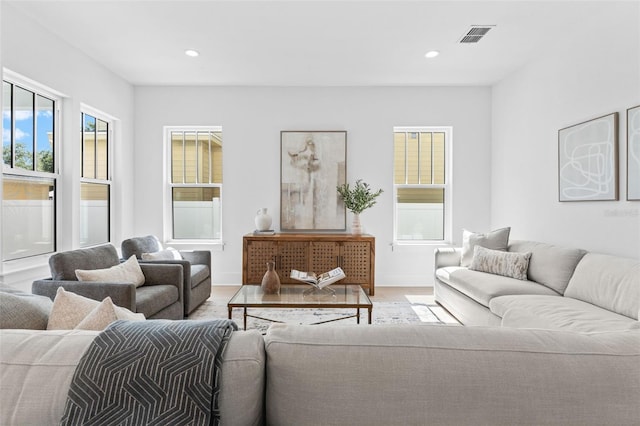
336,296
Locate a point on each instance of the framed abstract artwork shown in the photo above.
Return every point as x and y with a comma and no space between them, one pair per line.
588,160
633,153
312,165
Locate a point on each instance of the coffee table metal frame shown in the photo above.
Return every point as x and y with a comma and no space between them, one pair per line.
338,296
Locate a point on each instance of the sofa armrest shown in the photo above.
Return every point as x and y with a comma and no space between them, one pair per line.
122,294
197,257
448,256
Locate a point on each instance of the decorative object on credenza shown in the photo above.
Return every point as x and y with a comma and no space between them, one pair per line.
271,281
312,164
588,160
357,199
633,153
263,220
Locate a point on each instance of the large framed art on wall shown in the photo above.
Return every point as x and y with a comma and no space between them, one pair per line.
312,165
588,160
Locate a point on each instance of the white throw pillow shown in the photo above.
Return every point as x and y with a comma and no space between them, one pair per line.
494,240
69,310
508,264
126,272
100,317
168,254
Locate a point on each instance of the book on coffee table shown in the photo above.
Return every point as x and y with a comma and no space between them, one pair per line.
318,281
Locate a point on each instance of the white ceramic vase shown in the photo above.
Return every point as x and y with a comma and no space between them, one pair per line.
263,220
356,227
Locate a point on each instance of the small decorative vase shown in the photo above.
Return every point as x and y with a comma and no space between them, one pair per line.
263,220
356,228
271,280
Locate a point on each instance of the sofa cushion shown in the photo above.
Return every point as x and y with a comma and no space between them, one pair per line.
483,287
420,375
63,265
125,272
549,265
151,299
499,262
36,370
495,240
611,282
557,313
23,310
199,273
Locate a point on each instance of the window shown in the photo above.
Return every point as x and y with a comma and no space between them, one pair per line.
95,183
422,189
195,183
29,175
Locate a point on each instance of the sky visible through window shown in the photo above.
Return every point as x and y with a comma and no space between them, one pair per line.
24,123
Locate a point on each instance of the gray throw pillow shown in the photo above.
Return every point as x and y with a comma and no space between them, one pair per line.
24,311
494,240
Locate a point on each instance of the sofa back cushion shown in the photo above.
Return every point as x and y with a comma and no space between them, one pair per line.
63,265
418,375
37,367
549,265
138,245
610,282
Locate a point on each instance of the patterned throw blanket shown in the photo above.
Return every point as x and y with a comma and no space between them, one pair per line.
150,373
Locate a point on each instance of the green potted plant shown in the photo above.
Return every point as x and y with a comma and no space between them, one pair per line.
357,199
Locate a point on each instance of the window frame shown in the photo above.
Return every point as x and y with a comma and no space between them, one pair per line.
168,222
9,171
110,121
447,186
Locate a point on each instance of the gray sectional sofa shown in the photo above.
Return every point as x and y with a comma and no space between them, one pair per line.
566,289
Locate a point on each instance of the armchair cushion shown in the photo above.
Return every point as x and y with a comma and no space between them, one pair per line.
138,245
63,265
199,273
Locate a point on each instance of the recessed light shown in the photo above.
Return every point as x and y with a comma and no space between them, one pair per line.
192,53
431,54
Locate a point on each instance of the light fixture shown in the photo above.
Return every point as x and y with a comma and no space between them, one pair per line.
192,53
431,54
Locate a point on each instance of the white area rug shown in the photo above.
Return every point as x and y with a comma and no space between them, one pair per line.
416,310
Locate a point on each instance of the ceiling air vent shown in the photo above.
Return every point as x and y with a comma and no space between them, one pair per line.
476,33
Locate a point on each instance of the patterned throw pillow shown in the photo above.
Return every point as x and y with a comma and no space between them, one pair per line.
495,240
508,264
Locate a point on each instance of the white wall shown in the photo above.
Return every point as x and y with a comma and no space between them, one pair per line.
597,76
32,52
251,120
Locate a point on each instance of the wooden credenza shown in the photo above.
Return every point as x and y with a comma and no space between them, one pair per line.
312,253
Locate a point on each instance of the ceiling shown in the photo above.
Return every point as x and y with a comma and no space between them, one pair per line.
316,43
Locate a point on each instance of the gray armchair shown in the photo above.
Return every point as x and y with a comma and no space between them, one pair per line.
160,297
196,267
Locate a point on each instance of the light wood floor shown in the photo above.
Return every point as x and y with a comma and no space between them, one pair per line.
383,294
